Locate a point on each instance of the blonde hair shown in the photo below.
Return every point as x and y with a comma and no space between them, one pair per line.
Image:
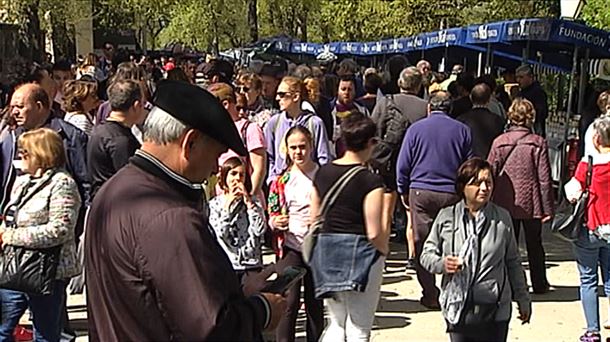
313,89
90,60
44,148
296,86
253,80
76,92
522,113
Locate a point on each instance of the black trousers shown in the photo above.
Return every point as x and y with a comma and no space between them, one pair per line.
535,251
425,205
491,332
314,308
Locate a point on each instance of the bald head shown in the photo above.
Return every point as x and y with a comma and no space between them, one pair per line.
480,94
424,67
30,106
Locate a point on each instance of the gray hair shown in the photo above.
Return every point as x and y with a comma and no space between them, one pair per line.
601,126
525,69
162,128
410,79
440,101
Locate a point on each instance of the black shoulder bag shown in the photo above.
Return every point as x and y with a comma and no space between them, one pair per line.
569,218
29,270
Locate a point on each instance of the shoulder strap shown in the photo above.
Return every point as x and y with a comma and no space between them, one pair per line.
589,173
277,123
332,194
310,127
503,163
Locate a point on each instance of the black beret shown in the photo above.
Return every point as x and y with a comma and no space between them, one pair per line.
199,109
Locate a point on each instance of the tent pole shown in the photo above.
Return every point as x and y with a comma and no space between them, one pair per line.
526,52
480,64
584,63
487,59
568,114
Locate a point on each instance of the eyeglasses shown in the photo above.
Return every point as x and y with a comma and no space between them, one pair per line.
283,94
243,89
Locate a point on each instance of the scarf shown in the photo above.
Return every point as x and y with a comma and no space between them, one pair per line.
454,294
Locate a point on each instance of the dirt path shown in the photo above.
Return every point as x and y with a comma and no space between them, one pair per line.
557,316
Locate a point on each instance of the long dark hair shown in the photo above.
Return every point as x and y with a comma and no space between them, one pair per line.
229,165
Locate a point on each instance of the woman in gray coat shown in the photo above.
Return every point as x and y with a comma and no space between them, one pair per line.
472,244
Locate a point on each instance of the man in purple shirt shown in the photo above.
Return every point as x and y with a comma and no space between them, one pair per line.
430,155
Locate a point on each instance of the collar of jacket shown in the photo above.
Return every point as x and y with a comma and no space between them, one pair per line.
152,165
438,112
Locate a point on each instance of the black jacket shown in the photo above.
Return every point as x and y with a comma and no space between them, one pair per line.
536,95
485,126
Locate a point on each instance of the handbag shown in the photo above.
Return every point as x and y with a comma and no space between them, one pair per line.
568,221
29,270
329,199
477,311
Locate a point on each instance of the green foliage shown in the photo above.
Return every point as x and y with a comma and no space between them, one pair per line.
597,13
220,24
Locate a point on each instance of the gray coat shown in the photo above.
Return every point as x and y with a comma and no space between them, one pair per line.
498,252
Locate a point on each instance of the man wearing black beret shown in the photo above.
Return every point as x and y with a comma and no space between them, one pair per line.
154,269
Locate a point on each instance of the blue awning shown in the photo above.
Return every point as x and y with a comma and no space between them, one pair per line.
553,38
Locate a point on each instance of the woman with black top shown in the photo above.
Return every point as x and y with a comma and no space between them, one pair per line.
352,221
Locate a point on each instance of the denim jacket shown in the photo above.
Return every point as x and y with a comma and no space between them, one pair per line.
341,262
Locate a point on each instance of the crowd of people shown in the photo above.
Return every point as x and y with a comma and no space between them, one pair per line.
156,185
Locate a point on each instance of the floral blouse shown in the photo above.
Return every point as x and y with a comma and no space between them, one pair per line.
239,230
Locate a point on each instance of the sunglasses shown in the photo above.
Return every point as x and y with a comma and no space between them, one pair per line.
283,94
243,89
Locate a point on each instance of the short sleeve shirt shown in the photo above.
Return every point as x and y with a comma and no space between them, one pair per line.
347,213
253,137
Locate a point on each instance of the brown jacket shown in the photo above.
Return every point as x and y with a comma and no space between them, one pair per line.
523,185
155,271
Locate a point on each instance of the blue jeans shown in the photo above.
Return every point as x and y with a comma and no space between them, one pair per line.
46,313
592,252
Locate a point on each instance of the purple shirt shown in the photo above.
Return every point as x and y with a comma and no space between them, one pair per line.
275,132
431,153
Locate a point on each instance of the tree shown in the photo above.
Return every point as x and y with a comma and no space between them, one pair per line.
596,14
253,20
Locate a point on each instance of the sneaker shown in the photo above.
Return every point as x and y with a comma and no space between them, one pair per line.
590,337
21,334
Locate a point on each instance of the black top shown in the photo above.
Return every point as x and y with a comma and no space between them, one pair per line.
485,127
110,146
347,213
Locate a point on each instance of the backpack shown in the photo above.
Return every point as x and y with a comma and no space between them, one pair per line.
391,128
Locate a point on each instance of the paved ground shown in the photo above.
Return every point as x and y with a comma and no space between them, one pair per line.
557,316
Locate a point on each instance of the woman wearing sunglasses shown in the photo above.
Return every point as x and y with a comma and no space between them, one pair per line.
290,95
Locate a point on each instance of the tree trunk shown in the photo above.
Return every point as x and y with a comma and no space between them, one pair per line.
63,41
253,20
303,25
31,45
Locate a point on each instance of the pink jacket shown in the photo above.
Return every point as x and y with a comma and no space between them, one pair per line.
523,186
